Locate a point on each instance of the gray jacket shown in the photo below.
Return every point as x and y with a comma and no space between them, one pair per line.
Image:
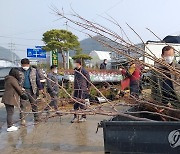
52,87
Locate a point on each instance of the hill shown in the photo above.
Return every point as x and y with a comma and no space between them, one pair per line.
90,44
8,55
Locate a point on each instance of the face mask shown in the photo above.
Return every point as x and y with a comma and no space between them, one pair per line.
25,68
76,66
55,71
169,59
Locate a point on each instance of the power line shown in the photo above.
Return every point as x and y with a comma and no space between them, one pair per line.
17,44
20,38
35,30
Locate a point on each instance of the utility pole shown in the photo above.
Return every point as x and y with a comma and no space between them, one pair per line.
12,49
66,23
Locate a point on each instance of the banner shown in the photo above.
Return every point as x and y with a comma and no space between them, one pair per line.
54,58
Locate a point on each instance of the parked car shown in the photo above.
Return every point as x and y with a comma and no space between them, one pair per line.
4,71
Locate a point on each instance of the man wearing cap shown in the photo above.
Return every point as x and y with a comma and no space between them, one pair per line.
81,89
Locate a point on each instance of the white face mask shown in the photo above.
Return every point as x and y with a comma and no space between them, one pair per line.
75,65
169,59
25,68
55,71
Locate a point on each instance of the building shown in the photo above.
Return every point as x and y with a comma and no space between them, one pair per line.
99,56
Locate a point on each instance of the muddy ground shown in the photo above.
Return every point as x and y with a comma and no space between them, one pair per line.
57,135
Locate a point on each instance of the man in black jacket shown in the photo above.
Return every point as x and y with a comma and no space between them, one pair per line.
103,65
164,88
81,89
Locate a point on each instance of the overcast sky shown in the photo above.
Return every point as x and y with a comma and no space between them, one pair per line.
23,22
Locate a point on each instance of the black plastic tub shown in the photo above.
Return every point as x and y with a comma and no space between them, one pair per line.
124,136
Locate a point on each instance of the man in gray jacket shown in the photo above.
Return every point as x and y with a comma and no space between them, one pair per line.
52,87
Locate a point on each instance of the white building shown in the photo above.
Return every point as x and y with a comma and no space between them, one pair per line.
6,63
99,56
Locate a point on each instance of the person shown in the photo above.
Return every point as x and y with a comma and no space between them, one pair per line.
11,96
163,89
52,87
30,81
41,75
81,88
103,65
134,75
42,79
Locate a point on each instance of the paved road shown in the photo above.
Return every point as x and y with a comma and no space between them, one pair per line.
1,105
57,135
52,137
2,114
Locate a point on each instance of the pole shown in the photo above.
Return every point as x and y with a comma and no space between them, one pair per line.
67,59
67,51
11,49
50,55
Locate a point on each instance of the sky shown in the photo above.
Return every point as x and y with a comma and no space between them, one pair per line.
23,22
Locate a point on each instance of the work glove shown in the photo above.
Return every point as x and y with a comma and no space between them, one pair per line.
24,96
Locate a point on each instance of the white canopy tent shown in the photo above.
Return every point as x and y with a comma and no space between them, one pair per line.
99,56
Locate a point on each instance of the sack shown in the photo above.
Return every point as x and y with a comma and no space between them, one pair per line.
125,83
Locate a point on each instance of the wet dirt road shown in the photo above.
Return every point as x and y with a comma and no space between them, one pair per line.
57,135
